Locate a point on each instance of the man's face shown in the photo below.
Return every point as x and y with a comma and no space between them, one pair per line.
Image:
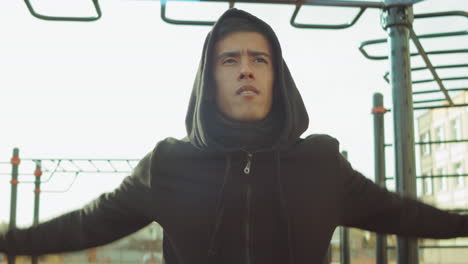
243,73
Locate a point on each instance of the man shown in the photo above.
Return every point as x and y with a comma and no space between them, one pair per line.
242,187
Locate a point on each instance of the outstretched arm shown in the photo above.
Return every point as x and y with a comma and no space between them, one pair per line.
368,206
108,218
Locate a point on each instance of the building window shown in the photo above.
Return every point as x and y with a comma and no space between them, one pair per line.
425,148
419,187
455,128
428,188
443,181
457,168
439,136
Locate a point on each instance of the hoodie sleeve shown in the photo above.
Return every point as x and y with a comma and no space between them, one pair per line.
110,217
366,205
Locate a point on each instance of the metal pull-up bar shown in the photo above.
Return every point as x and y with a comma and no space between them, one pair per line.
463,14
381,178
60,166
324,26
424,55
299,4
64,18
335,3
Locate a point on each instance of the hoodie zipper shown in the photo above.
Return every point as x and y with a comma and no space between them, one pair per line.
248,198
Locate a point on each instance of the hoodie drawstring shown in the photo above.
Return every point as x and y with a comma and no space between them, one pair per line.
284,208
219,215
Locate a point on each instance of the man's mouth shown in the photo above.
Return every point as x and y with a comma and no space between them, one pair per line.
247,90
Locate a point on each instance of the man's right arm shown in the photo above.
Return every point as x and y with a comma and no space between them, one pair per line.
106,219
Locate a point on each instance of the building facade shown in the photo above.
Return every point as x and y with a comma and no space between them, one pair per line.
444,167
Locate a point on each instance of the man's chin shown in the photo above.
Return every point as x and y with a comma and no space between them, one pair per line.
250,117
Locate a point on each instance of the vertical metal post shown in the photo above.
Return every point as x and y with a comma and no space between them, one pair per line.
37,192
378,111
397,20
344,236
15,161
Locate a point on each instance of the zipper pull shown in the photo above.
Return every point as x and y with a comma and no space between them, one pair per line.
249,162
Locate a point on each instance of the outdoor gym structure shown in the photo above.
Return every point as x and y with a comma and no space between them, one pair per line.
55,167
397,20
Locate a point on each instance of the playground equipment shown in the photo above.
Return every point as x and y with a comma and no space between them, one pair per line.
404,146
397,19
96,5
380,167
58,166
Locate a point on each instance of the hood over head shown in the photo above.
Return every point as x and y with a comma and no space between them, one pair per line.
284,124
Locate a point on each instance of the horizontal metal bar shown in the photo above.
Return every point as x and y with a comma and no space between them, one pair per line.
444,247
432,52
435,67
339,3
438,91
66,172
423,36
439,106
434,176
79,159
443,34
334,3
442,79
324,26
92,171
77,169
356,4
429,101
434,106
57,18
447,66
442,142
436,247
441,14
182,22
435,142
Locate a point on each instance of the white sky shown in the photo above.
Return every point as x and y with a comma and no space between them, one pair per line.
113,88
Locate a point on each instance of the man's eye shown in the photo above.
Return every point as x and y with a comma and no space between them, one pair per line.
262,60
229,61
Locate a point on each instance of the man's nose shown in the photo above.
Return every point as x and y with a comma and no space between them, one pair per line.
245,71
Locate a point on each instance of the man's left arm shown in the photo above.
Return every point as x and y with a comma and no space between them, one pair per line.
368,206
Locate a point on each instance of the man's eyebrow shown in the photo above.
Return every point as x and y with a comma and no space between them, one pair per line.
258,53
237,54
229,54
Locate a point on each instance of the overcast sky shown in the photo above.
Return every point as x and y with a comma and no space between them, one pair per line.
115,87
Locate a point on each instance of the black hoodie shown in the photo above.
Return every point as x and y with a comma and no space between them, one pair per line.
273,205
288,106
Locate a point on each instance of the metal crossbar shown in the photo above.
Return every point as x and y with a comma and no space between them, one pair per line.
64,18
436,142
324,26
362,5
433,176
437,91
439,247
439,106
59,167
428,64
448,66
76,166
